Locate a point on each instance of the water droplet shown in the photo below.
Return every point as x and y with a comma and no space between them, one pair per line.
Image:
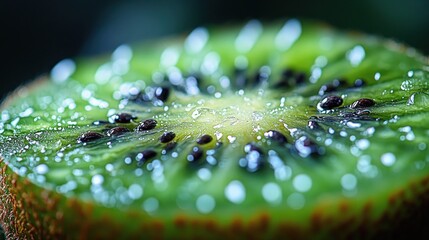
135,191
302,183
169,57
289,33
231,139
41,169
362,144
419,99
235,192
349,182
205,203
210,63
272,193
196,114
316,73
204,174
97,179
248,36
103,74
388,159
257,116
63,70
26,113
224,82
123,52
356,55
196,40
150,205
377,76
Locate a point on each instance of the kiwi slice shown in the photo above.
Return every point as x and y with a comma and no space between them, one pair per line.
285,129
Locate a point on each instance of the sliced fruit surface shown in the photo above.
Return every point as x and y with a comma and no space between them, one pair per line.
275,124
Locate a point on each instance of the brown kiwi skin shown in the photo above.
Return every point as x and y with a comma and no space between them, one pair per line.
31,212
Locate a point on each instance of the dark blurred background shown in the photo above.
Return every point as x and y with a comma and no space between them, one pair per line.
35,35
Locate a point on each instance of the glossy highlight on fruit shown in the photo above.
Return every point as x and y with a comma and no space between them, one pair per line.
281,130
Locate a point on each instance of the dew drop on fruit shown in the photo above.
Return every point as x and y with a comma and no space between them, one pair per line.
195,114
316,73
235,192
169,57
210,63
150,205
272,193
224,82
302,183
103,74
63,70
97,179
196,40
41,169
349,182
419,99
135,191
248,36
388,159
356,55
362,144
288,34
257,116
123,53
377,76
205,203
191,85
204,174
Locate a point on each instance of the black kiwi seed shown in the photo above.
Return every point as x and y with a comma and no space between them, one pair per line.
240,78
300,78
204,139
123,118
117,131
363,103
168,147
162,93
313,125
291,78
287,73
330,102
145,155
148,124
195,155
89,137
167,137
275,136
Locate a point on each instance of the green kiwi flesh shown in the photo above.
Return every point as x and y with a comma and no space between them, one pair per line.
285,129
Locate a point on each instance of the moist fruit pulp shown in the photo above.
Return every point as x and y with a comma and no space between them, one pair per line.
284,127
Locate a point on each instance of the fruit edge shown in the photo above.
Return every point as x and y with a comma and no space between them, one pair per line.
53,216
